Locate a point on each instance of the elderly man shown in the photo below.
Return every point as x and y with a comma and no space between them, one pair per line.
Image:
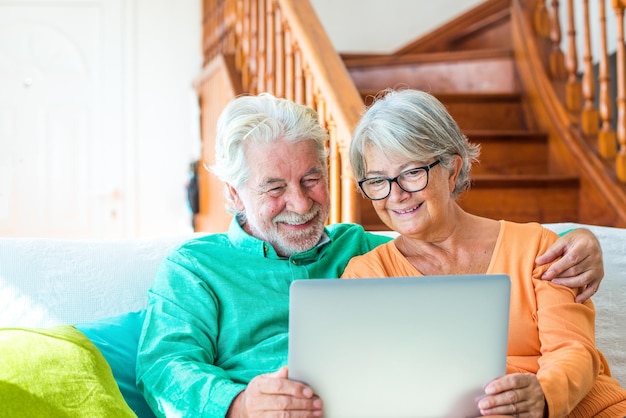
214,342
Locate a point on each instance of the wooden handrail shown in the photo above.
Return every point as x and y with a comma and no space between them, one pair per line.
595,121
281,47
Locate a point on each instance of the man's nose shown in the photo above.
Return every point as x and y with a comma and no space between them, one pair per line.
298,200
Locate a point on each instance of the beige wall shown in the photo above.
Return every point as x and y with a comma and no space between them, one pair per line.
383,26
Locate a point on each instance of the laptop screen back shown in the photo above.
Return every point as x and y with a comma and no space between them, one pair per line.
399,347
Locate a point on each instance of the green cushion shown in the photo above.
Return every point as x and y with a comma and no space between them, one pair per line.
56,372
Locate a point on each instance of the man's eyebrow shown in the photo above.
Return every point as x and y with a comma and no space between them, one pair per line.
273,180
314,170
270,181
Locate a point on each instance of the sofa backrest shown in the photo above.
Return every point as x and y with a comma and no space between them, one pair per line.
46,282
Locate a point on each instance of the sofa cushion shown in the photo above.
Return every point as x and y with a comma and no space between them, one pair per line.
56,372
117,338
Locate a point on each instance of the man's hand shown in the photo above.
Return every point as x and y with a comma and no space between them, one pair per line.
581,263
274,395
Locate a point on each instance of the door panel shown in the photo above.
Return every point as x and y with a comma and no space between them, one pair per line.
62,169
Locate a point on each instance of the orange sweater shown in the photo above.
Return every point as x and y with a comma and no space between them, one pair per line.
549,334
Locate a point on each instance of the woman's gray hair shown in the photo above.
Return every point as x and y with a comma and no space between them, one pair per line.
415,125
261,119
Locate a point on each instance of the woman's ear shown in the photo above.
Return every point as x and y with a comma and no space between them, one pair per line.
457,165
234,198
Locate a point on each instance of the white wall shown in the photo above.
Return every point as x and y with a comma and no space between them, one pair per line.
169,58
384,25
98,117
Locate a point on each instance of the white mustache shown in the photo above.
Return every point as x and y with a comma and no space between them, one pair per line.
295,219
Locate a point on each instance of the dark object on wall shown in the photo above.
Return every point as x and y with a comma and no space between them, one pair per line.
193,193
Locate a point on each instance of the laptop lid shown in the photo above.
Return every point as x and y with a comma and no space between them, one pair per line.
399,347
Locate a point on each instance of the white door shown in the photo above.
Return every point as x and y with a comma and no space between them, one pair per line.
63,150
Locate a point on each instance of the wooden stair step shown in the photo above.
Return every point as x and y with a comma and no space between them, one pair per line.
523,198
510,152
474,111
456,71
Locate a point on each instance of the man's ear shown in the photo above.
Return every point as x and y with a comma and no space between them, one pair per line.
234,198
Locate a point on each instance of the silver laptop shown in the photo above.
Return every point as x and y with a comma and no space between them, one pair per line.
399,347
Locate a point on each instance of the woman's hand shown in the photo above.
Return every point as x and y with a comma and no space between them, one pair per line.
273,395
581,263
518,395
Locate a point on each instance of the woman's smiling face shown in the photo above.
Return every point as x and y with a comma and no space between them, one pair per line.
412,213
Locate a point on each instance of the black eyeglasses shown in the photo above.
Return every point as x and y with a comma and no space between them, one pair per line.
411,181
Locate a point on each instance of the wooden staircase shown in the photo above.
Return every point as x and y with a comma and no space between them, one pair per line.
500,70
480,87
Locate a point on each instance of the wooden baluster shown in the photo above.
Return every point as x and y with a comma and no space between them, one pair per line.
209,36
221,27
289,66
207,30
573,90
557,59
270,48
589,120
279,44
261,45
620,161
238,35
541,19
309,100
606,137
246,47
299,80
252,57
230,16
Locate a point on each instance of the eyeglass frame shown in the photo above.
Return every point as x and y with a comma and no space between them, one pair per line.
426,168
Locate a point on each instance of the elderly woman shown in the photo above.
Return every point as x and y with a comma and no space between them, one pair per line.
413,162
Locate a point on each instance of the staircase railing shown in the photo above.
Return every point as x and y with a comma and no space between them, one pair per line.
583,79
280,47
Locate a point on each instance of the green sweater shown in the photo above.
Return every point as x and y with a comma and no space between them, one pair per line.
218,315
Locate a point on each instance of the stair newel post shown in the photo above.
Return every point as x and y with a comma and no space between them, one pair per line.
620,162
350,206
606,137
589,119
557,58
334,172
573,92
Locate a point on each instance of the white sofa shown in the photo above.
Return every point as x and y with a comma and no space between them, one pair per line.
46,282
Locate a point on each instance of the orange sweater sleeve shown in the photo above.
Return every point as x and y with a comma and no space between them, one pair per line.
550,334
